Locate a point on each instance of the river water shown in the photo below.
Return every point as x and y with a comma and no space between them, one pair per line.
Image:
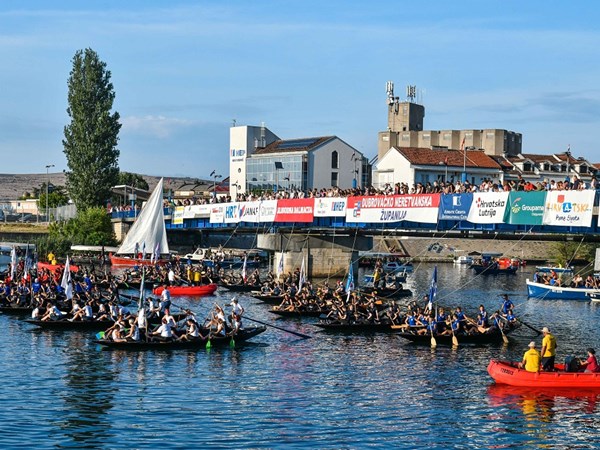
60,390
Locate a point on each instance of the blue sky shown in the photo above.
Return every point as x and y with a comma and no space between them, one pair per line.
183,70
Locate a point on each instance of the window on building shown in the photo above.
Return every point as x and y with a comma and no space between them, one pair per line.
334,160
334,179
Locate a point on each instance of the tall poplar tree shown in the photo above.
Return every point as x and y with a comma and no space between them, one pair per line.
90,142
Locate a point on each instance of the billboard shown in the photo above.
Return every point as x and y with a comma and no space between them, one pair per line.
393,208
455,206
525,208
569,208
488,207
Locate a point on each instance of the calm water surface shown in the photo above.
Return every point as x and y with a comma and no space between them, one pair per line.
60,390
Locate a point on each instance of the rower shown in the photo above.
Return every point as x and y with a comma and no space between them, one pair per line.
165,299
236,308
507,304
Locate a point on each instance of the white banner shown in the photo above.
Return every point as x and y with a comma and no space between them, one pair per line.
330,207
217,214
231,212
196,211
267,211
393,208
488,207
569,208
249,212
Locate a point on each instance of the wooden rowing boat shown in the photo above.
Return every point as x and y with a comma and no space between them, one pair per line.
88,325
505,372
491,337
242,336
345,327
298,313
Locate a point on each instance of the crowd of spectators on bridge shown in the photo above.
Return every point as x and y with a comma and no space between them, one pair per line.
435,187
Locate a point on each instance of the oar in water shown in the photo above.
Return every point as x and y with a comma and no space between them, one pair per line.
504,336
433,341
454,338
303,336
530,327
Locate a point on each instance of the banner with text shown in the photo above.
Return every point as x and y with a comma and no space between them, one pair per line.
569,208
267,211
488,207
525,208
231,212
249,212
455,206
295,210
217,214
177,216
393,208
196,211
330,207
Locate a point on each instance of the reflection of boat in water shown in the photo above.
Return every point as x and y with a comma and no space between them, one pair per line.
541,402
505,372
464,259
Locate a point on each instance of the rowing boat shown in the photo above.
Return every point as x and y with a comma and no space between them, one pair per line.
242,336
505,372
491,337
88,325
346,327
204,289
298,313
550,292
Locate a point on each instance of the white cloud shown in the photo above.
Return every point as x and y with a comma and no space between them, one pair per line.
156,126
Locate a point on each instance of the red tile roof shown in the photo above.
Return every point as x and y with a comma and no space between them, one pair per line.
454,158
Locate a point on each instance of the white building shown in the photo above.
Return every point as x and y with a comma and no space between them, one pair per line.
259,160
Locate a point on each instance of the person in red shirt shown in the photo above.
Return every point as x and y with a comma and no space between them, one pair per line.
590,364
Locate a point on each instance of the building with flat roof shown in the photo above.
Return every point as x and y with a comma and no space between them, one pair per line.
260,160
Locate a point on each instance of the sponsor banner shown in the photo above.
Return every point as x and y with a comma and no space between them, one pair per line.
488,207
231,212
267,211
569,208
455,206
249,212
196,211
330,207
177,218
217,214
525,208
295,210
393,208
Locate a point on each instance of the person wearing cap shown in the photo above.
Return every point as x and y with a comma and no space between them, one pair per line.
590,365
548,350
531,359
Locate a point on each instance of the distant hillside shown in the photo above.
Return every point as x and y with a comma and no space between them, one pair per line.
13,186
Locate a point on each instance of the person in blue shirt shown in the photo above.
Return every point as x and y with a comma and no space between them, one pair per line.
482,317
507,305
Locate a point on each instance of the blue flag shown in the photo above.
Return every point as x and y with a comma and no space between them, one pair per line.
350,280
432,289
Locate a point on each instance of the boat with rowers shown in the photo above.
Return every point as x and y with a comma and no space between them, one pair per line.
242,336
555,292
509,373
491,336
89,325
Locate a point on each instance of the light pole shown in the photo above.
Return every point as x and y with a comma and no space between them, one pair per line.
47,184
568,180
215,176
355,173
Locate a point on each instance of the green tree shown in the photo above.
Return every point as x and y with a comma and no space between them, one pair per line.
133,179
565,252
57,196
90,142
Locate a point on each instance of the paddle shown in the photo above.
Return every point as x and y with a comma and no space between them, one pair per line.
504,336
454,338
303,336
530,327
433,341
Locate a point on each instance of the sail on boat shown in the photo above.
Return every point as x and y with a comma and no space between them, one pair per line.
148,232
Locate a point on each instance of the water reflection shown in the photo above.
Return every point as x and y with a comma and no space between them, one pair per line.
88,395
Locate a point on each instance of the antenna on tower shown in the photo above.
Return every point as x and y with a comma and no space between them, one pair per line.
411,93
389,89
233,122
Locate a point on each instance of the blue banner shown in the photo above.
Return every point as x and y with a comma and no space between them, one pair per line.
455,206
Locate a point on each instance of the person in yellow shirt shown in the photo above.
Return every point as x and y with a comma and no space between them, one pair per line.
548,350
531,359
51,257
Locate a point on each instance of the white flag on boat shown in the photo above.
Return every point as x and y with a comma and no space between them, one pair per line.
244,268
13,263
280,266
302,279
65,283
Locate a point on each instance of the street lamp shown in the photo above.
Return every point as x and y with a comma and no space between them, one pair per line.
354,180
47,184
215,176
568,180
